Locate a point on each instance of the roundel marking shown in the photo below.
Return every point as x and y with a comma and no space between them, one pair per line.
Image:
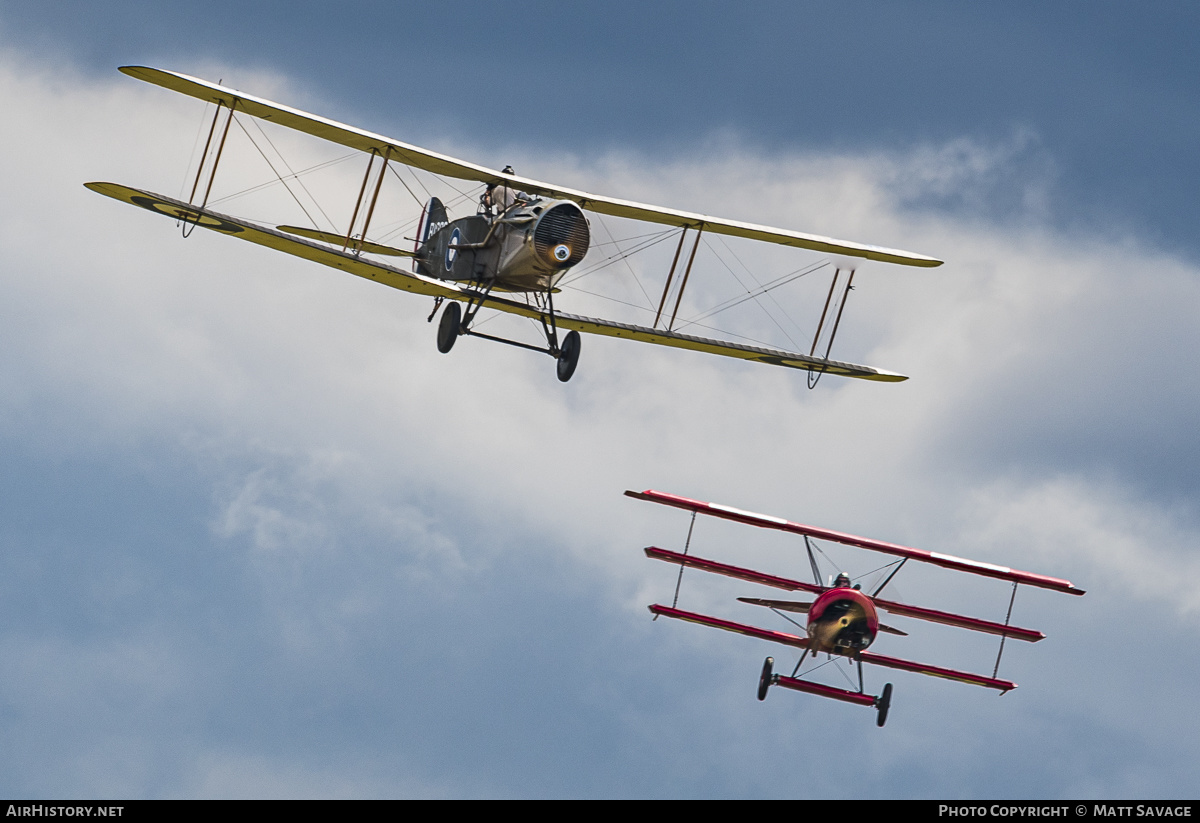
190,215
451,251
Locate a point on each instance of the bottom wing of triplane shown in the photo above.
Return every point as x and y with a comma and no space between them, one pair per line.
802,643
407,281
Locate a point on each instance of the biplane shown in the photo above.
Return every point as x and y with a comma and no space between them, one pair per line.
843,620
508,256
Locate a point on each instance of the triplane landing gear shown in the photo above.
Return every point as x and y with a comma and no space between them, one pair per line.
882,704
766,679
454,324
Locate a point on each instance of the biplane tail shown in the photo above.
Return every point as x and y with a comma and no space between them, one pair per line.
433,219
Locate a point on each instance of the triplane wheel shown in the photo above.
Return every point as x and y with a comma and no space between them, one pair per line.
448,327
568,356
765,680
882,703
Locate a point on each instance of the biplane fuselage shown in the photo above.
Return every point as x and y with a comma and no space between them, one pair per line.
842,621
526,248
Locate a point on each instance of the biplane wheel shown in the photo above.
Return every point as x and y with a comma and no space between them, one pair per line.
764,680
568,356
882,704
448,327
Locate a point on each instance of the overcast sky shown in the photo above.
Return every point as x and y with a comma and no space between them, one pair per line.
259,538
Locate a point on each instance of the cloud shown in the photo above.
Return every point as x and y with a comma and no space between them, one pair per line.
359,541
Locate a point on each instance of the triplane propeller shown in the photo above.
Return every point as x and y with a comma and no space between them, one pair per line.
509,256
843,620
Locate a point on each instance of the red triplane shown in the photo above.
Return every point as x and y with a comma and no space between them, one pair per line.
843,620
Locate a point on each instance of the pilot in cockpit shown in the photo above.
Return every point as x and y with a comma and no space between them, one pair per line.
499,196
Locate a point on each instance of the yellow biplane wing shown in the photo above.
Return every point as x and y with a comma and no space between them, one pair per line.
450,167
330,255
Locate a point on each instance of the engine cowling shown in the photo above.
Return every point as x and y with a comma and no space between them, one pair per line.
543,240
561,235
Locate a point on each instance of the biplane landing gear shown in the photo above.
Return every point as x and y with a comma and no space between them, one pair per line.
882,704
568,356
766,678
449,327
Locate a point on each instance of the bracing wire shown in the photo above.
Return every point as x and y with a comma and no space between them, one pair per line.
270,183
820,666
737,300
187,175
881,568
788,619
760,290
652,240
624,258
276,172
291,173
816,546
754,294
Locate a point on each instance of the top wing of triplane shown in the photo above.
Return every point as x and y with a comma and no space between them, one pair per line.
450,167
329,255
936,558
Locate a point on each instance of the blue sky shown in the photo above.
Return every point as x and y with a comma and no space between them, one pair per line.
260,539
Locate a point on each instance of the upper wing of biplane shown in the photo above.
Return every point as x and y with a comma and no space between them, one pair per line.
450,167
936,558
406,281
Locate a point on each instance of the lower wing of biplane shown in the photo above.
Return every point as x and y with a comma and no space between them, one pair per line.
842,619
348,261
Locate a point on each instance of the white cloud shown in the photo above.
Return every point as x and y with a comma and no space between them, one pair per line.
344,454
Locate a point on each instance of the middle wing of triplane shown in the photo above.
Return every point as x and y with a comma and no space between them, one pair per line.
418,284
903,609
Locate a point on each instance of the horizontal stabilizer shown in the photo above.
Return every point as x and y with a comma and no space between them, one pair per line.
797,607
340,240
794,606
